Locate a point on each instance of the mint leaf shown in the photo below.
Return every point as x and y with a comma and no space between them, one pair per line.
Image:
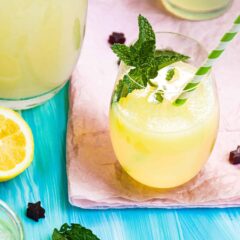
124,87
137,76
73,232
167,57
57,235
145,53
123,52
133,56
170,74
146,32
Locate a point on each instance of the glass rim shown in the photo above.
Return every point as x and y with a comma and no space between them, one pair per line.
184,36
209,75
14,218
179,35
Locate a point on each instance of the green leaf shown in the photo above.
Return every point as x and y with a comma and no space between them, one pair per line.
73,232
124,87
123,52
151,70
167,57
137,77
141,55
168,52
146,32
146,52
57,235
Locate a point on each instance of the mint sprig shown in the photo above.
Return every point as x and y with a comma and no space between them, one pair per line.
73,232
143,59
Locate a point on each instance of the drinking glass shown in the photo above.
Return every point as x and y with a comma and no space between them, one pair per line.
159,144
197,9
40,43
10,226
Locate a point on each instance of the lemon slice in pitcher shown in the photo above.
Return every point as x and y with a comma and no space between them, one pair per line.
16,144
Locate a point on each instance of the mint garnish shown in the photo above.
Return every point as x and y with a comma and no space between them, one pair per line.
143,59
170,74
73,232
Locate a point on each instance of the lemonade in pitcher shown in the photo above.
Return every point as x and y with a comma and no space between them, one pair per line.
40,42
197,9
158,143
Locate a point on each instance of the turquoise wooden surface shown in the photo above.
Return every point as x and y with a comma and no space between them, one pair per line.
46,180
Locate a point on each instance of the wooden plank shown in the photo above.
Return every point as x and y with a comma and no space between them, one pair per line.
46,180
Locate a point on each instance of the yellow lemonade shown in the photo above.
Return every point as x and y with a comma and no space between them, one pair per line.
197,9
39,45
159,144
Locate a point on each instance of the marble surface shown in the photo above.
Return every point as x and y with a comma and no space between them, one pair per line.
46,180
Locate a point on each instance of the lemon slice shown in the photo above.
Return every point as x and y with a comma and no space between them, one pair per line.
16,144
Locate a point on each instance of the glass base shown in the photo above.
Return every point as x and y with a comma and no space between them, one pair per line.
27,103
195,16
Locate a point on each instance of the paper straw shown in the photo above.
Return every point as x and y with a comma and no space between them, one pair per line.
207,66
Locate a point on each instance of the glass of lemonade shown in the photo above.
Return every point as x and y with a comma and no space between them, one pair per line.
159,144
197,9
40,42
10,226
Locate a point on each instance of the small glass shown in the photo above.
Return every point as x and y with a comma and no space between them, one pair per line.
197,9
158,144
40,43
10,225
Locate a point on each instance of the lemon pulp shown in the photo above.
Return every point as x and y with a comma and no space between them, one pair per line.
16,144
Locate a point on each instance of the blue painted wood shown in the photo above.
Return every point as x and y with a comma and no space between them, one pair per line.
46,180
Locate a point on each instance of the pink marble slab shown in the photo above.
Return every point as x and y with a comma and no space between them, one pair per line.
94,176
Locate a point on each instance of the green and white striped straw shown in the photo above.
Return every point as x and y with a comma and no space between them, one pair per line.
207,66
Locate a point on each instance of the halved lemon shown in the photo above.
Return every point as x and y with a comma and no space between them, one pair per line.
16,144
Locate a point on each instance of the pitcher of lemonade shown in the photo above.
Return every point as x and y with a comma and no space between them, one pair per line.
40,42
197,9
